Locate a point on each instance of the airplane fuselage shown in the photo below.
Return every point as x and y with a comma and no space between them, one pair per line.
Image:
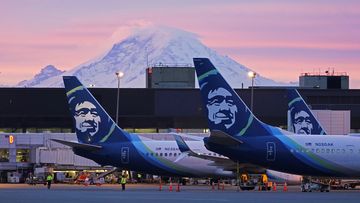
311,155
157,157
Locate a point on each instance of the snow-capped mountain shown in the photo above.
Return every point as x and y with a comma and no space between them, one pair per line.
47,72
153,45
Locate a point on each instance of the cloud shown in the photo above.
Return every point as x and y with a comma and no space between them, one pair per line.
123,31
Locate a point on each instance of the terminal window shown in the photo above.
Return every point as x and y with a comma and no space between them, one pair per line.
4,155
22,155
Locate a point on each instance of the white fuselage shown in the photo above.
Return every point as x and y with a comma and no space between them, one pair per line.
169,150
338,151
202,167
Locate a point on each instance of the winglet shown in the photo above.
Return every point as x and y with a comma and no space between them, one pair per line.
183,147
185,150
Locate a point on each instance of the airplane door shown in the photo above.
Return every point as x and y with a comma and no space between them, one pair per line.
124,155
270,151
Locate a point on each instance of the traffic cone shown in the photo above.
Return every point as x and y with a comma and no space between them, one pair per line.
178,187
170,187
285,187
160,186
274,187
259,187
218,184
223,186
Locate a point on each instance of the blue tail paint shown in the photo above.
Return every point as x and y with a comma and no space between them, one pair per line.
224,109
92,124
300,118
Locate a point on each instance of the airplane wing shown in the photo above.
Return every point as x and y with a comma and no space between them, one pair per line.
77,145
184,148
222,162
221,138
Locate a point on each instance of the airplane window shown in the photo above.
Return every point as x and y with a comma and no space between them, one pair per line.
174,154
322,150
156,154
318,150
313,150
351,150
161,154
327,150
170,154
332,150
209,154
338,150
214,154
147,154
152,154
343,150
165,154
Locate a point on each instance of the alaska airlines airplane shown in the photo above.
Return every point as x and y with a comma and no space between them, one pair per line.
101,140
225,162
239,135
301,120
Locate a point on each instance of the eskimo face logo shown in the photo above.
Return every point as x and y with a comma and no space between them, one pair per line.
87,118
221,107
302,123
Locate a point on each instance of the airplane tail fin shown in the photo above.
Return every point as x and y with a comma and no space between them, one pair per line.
300,118
224,109
92,124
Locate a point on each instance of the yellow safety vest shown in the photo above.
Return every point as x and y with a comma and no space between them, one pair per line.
123,181
49,177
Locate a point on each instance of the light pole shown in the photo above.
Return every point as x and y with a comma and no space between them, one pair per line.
252,75
119,75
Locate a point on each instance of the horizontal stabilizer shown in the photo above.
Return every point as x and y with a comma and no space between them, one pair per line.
77,145
221,138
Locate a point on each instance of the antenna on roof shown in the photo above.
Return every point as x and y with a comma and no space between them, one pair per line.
147,58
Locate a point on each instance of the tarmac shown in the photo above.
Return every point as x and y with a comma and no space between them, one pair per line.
138,193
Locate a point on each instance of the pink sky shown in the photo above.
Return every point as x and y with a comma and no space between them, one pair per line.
279,39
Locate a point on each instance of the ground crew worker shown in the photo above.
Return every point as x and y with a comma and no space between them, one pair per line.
49,179
123,182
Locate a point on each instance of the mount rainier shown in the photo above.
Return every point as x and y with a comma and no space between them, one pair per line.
154,45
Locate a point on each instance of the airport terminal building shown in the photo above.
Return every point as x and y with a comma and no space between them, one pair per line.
30,117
